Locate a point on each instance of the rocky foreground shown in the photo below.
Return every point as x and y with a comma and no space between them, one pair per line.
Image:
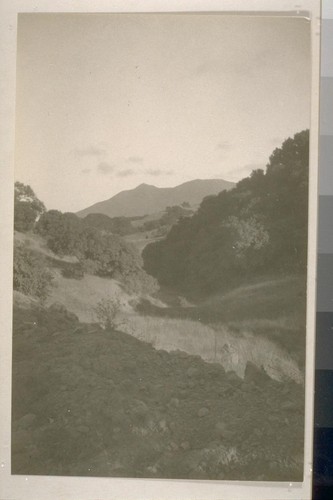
90,402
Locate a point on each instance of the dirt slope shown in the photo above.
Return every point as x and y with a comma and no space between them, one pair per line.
102,403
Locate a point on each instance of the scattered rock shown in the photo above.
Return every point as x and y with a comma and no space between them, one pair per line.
152,469
139,409
174,402
185,445
163,425
203,412
173,446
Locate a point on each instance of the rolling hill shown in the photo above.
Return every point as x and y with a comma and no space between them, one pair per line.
147,199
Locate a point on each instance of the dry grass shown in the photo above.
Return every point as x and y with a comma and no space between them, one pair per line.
267,299
38,244
82,296
79,296
216,343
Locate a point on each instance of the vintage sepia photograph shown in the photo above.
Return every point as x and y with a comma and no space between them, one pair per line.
161,246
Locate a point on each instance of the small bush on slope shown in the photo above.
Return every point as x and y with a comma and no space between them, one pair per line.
107,312
31,275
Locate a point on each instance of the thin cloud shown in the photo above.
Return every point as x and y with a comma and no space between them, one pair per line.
105,168
135,159
85,170
126,173
90,151
237,174
250,167
224,146
276,141
157,172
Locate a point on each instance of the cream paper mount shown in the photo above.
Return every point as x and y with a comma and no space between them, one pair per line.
101,98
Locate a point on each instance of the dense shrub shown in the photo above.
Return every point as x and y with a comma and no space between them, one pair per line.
64,232
31,275
115,225
140,282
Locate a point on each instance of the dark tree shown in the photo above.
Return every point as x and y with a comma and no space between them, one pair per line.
27,207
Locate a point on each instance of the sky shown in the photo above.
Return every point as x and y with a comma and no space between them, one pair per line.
106,102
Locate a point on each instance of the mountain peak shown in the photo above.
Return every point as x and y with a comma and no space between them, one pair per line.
145,186
147,199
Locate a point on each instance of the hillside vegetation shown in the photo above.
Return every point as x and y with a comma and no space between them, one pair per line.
257,228
94,250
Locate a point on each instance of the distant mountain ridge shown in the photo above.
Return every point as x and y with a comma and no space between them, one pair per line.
147,199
